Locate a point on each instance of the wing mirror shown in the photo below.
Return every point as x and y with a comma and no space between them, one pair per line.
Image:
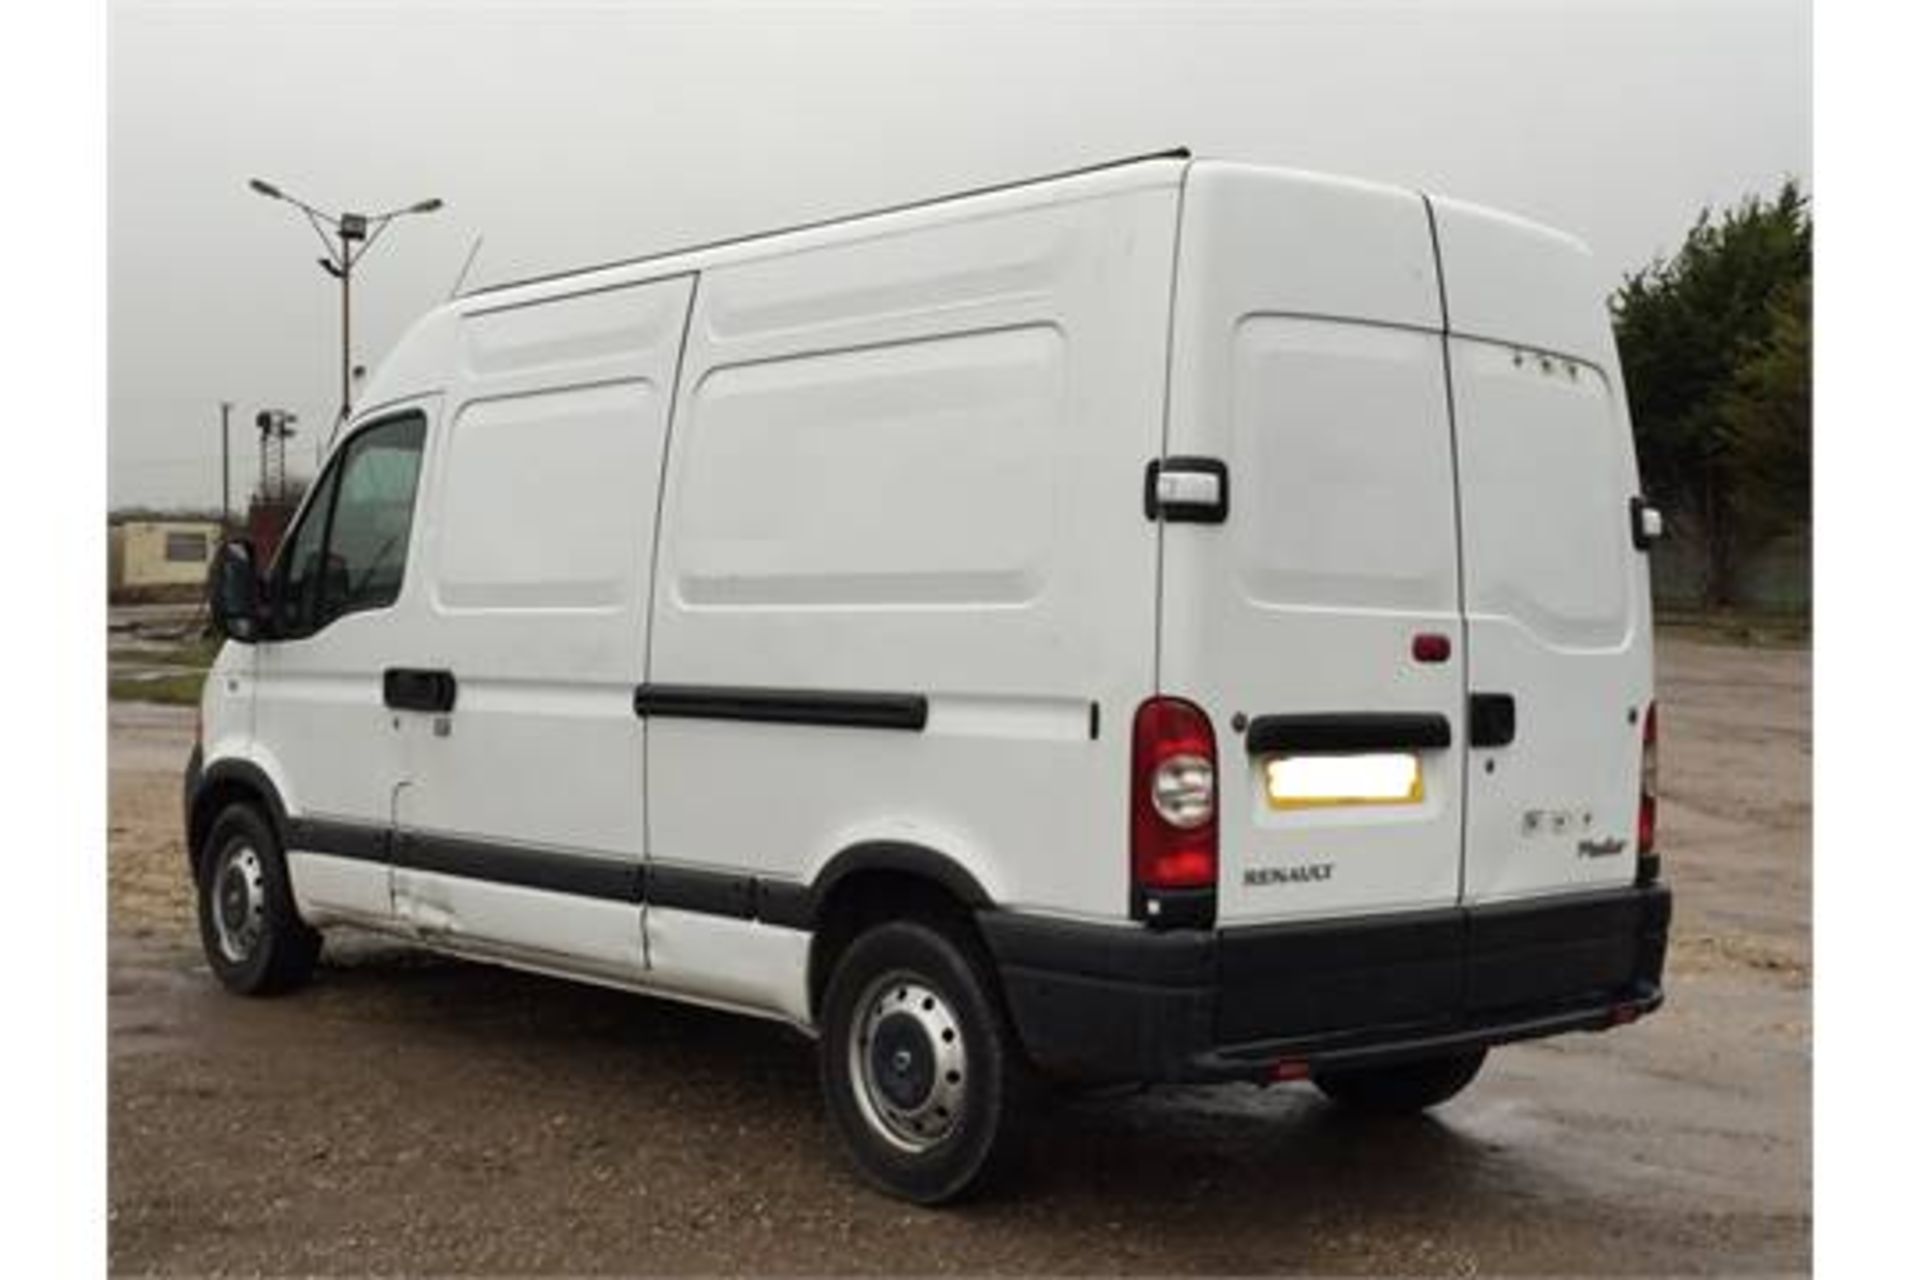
233,592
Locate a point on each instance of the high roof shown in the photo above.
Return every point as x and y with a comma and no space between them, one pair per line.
578,275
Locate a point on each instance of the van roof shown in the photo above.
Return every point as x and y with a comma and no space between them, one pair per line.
575,274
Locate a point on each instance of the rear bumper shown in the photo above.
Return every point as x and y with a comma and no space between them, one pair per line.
1125,1003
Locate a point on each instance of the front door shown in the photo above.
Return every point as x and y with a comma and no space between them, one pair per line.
339,596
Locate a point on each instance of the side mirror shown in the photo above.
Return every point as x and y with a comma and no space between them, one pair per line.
233,592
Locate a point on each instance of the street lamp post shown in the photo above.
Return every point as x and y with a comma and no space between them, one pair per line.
352,234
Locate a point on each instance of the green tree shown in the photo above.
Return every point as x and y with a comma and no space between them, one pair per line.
1714,349
1766,418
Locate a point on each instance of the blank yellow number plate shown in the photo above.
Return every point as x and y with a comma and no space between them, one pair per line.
1325,782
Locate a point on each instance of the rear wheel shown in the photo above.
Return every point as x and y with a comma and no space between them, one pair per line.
255,941
922,1075
1403,1087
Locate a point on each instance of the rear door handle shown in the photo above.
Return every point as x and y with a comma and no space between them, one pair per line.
419,689
1492,719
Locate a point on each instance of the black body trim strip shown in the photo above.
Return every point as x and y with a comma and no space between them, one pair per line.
583,875
848,709
1348,731
787,904
713,893
360,841
908,859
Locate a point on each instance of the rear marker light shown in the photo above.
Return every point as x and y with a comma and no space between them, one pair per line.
1290,1071
1431,646
1649,779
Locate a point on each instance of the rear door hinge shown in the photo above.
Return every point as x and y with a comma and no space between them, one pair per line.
1187,490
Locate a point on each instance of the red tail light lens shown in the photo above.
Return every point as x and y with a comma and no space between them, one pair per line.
1176,827
1649,777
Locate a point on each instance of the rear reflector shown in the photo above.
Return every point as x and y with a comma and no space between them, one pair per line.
1175,819
1289,1071
1431,646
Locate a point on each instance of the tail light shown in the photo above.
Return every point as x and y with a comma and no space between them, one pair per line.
1649,778
1175,820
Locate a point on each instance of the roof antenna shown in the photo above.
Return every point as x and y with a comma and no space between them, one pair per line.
465,267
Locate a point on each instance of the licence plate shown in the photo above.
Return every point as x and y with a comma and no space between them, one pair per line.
1333,781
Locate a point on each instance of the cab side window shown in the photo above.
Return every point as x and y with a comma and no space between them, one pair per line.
350,550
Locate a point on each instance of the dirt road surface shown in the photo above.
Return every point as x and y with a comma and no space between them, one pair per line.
408,1113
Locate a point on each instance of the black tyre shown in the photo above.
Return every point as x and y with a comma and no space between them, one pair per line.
255,941
1403,1087
924,1080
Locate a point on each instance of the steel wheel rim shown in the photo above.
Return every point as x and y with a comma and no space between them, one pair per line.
908,1061
238,902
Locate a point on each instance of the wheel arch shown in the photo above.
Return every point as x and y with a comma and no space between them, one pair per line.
227,782
884,879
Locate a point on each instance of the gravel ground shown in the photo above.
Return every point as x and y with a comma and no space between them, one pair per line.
408,1113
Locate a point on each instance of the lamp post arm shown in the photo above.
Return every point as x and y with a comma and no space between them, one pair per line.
378,224
314,221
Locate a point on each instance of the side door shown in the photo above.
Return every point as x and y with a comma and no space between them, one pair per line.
521,827
339,600
1317,623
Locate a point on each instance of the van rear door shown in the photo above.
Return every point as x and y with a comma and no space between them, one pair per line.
1308,358
1559,654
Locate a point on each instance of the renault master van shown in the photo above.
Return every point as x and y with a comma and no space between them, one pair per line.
1176,621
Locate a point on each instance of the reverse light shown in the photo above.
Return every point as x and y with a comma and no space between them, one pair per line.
1183,791
1175,818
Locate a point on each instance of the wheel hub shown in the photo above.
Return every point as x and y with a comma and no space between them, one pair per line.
239,902
909,1062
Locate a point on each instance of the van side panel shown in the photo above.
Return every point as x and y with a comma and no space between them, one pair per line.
905,475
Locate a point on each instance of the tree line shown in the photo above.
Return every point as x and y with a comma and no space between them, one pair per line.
1716,349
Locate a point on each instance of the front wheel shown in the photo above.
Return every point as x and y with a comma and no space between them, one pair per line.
923,1079
1402,1088
255,941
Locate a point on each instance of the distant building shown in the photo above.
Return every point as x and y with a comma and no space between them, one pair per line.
148,555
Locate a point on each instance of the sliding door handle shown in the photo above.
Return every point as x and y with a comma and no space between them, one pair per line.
419,689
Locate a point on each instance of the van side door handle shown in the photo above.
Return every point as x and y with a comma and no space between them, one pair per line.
419,689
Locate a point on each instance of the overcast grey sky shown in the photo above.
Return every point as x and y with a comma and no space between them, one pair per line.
570,133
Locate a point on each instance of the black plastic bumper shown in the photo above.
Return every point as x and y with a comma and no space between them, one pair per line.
1122,1003
189,792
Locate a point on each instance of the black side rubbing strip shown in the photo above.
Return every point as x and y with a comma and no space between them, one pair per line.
583,875
856,710
363,842
1348,731
713,893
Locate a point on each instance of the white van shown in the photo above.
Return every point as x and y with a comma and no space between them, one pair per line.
1177,620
